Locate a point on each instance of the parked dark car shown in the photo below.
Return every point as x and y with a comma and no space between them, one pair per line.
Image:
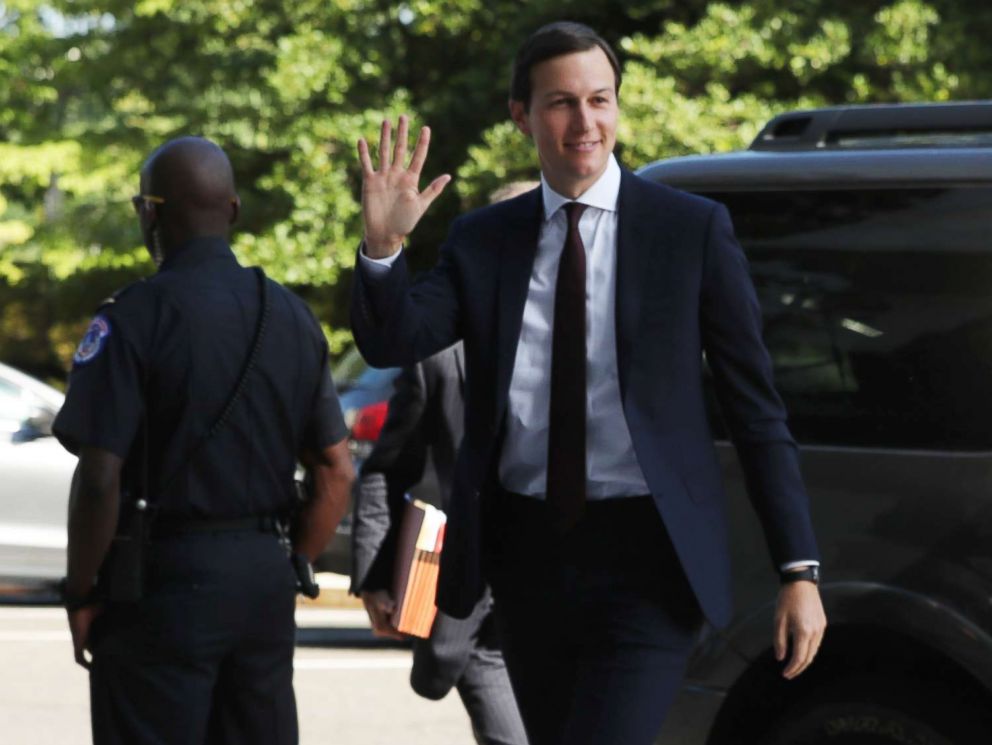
869,235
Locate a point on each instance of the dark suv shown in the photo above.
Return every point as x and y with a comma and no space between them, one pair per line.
869,235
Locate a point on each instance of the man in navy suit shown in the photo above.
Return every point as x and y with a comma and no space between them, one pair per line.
587,490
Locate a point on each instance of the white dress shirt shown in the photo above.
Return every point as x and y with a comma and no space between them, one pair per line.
611,466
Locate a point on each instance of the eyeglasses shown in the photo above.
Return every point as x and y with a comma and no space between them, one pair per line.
143,200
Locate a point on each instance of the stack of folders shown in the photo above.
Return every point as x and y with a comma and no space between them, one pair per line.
418,560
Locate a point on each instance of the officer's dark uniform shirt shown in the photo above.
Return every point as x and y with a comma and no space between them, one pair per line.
172,347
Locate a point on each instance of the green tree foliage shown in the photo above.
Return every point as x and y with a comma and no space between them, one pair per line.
709,85
88,88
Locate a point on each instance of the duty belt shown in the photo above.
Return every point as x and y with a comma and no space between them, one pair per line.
166,526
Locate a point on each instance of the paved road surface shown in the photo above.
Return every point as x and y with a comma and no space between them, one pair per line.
349,690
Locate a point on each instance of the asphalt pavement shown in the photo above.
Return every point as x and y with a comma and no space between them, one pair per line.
351,688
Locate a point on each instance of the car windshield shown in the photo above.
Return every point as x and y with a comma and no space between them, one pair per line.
374,377
352,371
27,406
348,369
12,409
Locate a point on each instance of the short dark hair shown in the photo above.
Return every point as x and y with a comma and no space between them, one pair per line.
550,41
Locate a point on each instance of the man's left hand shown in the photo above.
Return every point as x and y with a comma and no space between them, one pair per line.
800,623
80,624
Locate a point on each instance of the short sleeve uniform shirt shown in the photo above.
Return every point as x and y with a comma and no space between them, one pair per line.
158,364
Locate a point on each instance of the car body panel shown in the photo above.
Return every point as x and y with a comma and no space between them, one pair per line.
35,473
750,171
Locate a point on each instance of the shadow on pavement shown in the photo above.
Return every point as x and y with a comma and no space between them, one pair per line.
345,638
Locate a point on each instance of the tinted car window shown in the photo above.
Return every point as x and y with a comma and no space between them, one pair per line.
347,369
878,312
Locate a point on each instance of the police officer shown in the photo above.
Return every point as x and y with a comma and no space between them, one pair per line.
192,395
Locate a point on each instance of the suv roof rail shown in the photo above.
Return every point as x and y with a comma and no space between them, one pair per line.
959,124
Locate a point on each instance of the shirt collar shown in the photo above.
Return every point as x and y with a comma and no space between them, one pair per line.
604,194
198,250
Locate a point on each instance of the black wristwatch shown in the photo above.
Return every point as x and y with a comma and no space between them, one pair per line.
75,602
806,574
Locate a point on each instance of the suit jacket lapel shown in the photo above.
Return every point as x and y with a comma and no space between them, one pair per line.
634,244
516,263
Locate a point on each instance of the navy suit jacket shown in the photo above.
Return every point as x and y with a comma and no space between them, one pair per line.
682,290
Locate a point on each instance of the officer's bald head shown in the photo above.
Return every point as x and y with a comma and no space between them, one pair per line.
195,179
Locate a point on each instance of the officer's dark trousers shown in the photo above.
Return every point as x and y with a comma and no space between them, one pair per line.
596,624
207,655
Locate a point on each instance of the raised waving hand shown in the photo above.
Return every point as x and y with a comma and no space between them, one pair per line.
392,203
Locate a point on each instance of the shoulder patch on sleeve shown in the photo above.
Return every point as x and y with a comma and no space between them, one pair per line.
93,341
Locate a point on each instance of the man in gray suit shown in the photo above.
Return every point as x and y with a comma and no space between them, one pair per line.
426,415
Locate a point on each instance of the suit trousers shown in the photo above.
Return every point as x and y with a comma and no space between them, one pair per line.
206,656
596,624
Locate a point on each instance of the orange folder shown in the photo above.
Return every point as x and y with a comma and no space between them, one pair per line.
418,563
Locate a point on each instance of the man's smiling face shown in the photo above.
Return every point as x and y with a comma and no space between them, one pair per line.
572,118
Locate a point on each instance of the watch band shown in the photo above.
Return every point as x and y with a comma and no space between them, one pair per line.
807,574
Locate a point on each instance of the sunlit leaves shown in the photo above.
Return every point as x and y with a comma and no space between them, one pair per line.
309,64
14,232
503,155
30,167
88,89
903,33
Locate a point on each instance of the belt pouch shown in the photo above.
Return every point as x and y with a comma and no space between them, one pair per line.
125,565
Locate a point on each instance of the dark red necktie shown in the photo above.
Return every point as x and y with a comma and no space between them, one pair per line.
566,488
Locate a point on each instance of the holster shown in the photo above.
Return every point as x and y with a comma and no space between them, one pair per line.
122,576
306,582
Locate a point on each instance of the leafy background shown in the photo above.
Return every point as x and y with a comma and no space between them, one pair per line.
88,89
